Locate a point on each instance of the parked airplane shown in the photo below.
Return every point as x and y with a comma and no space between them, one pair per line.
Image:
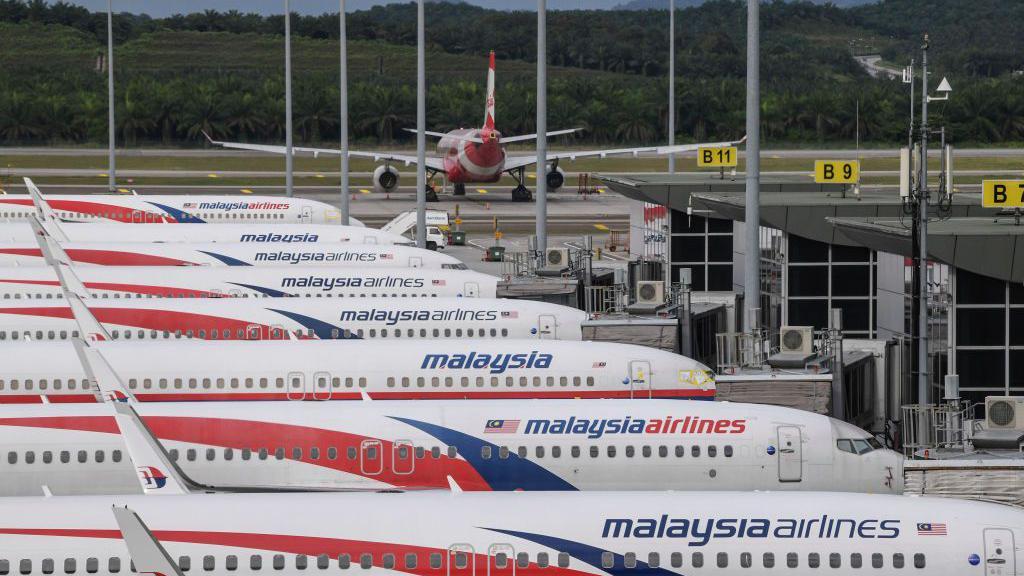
231,254
40,282
252,232
342,370
173,209
281,319
467,156
481,444
519,534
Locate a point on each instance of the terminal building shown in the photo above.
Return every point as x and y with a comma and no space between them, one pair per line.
827,247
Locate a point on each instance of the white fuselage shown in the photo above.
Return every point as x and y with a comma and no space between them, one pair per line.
481,444
555,534
175,209
232,254
342,369
252,232
40,282
304,318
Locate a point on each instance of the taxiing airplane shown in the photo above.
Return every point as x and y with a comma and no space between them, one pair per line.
290,318
230,254
481,444
175,209
400,369
518,534
466,156
39,282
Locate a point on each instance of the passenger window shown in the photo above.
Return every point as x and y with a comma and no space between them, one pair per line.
792,560
607,560
323,561
676,559
563,558
746,560
344,562
723,560
653,560
663,451
897,560
556,451
727,451
611,451
435,560
680,451
646,451
856,561
209,563
231,562
594,451
278,561
410,561
575,451
697,560
813,560
712,451
365,561
918,560
768,560
630,451
25,566
629,560
92,565
835,560
255,562
523,560
69,566
695,451
388,561
542,560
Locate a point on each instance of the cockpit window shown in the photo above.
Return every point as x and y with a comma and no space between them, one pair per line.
459,266
858,445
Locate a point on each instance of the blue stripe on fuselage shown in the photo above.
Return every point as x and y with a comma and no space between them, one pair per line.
589,554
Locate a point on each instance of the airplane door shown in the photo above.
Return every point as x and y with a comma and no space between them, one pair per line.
402,459
501,560
547,327
461,561
415,262
296,386
307,214
471,290
1000,557
790,454
369,240
320,387
371,462
640,379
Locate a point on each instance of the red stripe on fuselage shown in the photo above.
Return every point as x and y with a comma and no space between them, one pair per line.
122,258
105,424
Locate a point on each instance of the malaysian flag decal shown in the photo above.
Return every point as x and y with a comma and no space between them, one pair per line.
511,314
931,529
501,427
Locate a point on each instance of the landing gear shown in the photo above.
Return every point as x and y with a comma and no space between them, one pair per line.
431,194
521,193
459,189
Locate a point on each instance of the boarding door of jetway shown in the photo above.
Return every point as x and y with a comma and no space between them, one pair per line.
639,379
307,214
403,461
501,560
320,387
371,461
790,454
471,290
1000,555
547,327
460,560
295,386
415,262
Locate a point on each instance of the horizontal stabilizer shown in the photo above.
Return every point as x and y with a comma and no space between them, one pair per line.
446,135
525,137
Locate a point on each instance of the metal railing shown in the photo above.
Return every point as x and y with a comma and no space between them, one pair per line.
737,350
937,426
605,299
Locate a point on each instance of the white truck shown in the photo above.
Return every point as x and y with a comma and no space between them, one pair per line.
405,224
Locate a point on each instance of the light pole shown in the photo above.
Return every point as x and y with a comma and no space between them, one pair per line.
671,83
288,160
421,130
752,270
111,130
542,128
343,109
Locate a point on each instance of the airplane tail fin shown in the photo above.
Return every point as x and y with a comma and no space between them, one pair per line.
489,109
147,553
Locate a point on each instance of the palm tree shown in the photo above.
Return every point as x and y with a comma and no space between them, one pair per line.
203,112
384,109
18,121
135,114
316,111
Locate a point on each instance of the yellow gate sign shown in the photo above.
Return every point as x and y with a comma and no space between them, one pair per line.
837,171
717,157
1002,193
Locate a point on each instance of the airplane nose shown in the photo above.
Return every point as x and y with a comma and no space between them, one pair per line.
895,463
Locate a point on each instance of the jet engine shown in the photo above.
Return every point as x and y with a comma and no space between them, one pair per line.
555,179
385,179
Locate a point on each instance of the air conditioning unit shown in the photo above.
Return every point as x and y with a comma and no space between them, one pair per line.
1004,412
796,340
650,293
556,257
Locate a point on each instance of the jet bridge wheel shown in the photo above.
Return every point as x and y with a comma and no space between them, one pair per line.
521,194
459,189
431,194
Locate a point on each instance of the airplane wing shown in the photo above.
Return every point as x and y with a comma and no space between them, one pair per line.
513,162
147,554
105,382
431,162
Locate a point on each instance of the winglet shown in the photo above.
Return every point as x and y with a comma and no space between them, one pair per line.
106,383
146,552
88,325
42,207
208,139
45,235
156,472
